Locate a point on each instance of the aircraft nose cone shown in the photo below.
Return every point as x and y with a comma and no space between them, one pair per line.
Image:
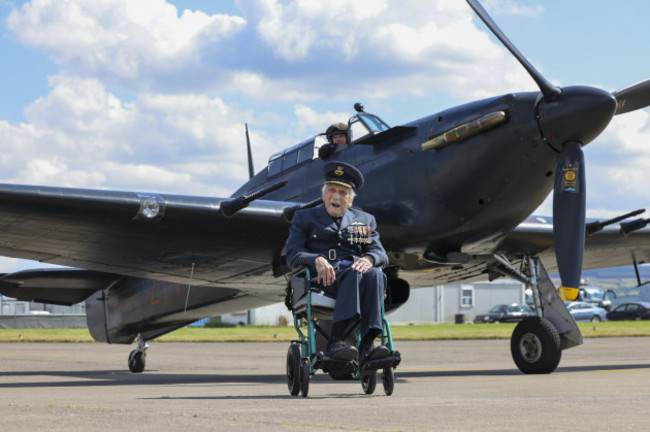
578,114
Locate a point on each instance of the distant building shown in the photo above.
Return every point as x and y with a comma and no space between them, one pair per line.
22,314
453,303
434,305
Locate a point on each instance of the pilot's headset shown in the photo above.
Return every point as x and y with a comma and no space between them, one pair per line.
336,128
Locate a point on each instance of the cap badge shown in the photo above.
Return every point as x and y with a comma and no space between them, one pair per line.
339,170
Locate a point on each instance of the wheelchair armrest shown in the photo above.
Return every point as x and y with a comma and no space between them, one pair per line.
299,284
302,271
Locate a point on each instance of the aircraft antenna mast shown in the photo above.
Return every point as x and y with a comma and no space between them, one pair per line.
251,170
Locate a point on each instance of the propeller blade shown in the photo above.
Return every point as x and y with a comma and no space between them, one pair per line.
569,217
633,97
549,91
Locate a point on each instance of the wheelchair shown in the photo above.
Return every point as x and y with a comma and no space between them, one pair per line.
313,311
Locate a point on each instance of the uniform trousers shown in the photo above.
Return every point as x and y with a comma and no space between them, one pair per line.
358,295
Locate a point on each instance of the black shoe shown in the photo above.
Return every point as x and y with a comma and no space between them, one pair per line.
368,353
378,352
364,347
340,350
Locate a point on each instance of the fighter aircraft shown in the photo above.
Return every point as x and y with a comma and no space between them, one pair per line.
452,193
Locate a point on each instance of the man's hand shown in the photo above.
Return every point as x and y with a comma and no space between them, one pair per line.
326,272
363,264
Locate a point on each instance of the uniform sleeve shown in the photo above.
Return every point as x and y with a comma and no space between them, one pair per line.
375,249
296,246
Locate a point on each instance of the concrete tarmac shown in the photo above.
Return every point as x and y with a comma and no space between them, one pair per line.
439,386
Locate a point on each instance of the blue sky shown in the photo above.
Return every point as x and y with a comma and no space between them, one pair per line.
153,95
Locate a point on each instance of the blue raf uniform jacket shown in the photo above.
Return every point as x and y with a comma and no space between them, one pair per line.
314,233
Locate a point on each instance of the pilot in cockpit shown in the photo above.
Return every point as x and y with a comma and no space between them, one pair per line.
337,137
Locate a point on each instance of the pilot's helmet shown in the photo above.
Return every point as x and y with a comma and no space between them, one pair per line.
336,128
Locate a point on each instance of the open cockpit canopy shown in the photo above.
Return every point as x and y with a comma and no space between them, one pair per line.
361,125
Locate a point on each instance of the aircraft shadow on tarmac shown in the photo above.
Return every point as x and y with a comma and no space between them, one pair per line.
122,378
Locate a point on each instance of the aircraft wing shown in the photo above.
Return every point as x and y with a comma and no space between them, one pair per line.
187,239
57,286
165,237
534,237
606,248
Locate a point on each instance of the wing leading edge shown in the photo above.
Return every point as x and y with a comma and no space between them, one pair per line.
142,234
611,246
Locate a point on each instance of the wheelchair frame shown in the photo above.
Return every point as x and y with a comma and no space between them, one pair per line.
306,314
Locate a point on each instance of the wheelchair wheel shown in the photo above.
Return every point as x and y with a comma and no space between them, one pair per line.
369,382
388,379
293,369
304,377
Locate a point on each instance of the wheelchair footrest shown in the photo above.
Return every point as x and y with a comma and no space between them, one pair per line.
330,364
381,363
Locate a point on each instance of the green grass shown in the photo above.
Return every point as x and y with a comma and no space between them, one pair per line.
285,334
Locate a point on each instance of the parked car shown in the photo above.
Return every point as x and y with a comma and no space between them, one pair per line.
597,296
505,313
583,311
630,311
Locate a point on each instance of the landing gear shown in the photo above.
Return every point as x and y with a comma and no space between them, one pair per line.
537,342
137,357
535,346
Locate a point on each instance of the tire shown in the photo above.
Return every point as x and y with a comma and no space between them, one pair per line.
304,377
369,382
595,318
137,361
293,369
388,379
535,346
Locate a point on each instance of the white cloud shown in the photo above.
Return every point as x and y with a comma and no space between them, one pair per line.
308,119
119,37
621,157
148,97
81,135
295,50
510,7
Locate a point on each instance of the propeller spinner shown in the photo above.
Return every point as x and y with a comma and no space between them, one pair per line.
570,118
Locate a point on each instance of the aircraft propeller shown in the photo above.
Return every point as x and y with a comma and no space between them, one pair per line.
633,97
569,118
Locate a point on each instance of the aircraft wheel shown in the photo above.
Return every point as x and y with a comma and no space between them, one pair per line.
293,369
304,377
535,346
369,381
136,361
388,379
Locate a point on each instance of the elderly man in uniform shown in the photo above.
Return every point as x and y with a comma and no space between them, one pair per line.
341,245
337,137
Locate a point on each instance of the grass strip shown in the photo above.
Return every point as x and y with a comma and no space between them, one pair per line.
286,334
